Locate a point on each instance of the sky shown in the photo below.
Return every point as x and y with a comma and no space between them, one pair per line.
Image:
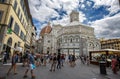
102,15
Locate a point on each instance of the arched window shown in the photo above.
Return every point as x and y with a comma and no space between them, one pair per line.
71,40
91,45
9,42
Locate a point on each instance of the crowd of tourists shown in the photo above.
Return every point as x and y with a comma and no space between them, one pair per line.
31,60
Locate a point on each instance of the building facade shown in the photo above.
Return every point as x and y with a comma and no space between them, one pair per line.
15,25
72,38
110,44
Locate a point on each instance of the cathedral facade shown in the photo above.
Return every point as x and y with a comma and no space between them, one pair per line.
74,38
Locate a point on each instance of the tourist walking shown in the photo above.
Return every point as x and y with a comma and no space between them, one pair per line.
62,59
25,58
53,63
73,60
31,65
87,60
42,59
13,63
59,61
70,59
114,65
50,58
45,58
38,61
82,59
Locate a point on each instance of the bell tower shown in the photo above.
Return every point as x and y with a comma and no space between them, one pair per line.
74,16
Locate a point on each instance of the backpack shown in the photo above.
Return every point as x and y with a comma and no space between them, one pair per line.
31,59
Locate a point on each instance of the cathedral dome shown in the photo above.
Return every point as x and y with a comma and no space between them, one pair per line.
46,30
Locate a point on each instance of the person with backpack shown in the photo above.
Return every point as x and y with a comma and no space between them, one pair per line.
13,63
31,65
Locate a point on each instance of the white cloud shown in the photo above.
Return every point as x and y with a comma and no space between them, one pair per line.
43,13
63,21
51,4
113,5
44,9
108,27
82,6
81,16
70,5
89,3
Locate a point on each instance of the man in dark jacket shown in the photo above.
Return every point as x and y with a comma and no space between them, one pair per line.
59,61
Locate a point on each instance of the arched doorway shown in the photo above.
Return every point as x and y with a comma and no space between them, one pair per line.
8,48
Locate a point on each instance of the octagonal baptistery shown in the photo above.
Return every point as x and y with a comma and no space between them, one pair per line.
76,38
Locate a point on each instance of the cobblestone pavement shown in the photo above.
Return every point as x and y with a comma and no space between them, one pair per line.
80,71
